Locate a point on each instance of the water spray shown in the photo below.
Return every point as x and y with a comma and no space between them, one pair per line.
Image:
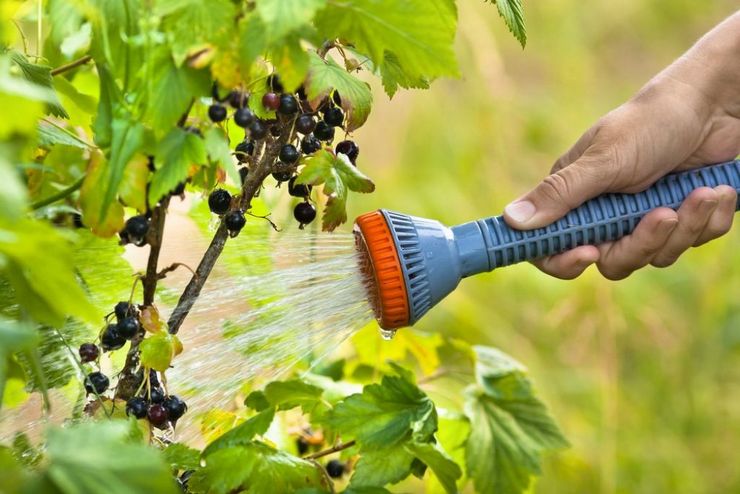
410,264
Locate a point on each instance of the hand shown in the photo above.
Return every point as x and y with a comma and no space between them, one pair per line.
686,117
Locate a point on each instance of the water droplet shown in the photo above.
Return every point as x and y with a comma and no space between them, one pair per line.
387,334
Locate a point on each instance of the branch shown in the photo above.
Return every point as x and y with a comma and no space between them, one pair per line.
71,65
59,195
334,449
250,187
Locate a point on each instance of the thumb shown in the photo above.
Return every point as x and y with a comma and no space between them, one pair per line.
560,192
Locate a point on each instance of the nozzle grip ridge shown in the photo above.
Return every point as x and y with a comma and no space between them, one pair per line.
602,219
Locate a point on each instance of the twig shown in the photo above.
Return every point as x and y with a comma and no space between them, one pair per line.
163,274
249,189
59,195
71,65
154,239
334,449
266,218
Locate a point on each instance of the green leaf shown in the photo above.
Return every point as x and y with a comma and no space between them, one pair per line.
110,98
338,175
291,61
80,461
252,41
243,433
285,395
513,15
257,401
385,414
394,77
50,135
181,457
92,197
218,150
446,470
284,16
325,76
114,24
510,426
157,351
256,468
41,76
174,156
13,338
133,184
127,140
365,490
382,467
424,47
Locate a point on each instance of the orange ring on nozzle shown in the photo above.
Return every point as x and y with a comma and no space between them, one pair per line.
384,274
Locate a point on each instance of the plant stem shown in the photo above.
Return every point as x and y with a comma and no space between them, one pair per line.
59,195
71,65
334,449
250,187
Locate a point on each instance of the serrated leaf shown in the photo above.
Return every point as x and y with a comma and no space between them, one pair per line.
291,61
284,16
424,47
110,98
133,185
337,175
446,470
385,414
157,351
394,77
181,457
325,76
41,76
175,154
256,468
510,426
285,395
256,400
513,14
80,460
243,433
382,467
50,135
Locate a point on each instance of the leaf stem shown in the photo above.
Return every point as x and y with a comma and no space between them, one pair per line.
59,195
334,449
71,65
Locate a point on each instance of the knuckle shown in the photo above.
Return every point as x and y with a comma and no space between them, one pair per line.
612,273
664,261
556,188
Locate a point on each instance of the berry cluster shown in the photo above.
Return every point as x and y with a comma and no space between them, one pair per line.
293,111
152,402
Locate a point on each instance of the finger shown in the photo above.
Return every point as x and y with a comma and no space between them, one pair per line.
562,191
693,217
576,151
721,220
570,264
619,259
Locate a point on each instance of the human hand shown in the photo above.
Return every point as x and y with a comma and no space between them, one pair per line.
688,116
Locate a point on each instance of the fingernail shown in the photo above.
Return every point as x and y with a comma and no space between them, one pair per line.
707,205
520,211
667,226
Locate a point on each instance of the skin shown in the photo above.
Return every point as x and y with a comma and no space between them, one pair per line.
686,117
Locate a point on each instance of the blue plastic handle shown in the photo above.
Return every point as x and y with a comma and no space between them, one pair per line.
605,218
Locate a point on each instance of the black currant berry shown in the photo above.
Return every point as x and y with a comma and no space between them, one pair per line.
258,130
175,407
237,99
137,226
243,173
349,149
271,101
219,201
217,113
305,124
288,154
323,131
156,395
112,339
283,176
302,446
244,149
96,382
234,222
157,415
137,406
298,190
335,468
124,309
334,116
88,352
310,144
288,104
304,213
128,327
243,117
274,83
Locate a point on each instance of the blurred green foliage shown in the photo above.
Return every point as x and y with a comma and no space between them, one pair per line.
643,375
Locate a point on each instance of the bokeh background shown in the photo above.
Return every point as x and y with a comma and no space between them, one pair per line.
643,375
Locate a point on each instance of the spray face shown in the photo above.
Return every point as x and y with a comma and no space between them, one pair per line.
409,264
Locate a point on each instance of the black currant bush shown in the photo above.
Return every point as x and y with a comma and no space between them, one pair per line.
149,100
